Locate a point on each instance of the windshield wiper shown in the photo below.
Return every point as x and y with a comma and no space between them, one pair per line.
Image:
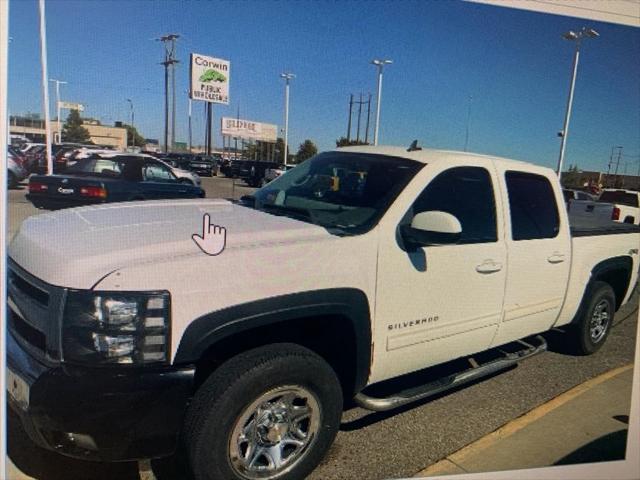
295,212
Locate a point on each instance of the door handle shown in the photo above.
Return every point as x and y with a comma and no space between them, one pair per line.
488,266
556,258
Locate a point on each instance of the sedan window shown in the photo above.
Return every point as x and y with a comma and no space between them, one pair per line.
154,172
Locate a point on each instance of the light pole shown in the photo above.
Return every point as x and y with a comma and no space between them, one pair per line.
58,83
380,64
188,92
577,38
287,77
133,132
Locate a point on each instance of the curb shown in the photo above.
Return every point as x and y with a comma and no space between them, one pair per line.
452,461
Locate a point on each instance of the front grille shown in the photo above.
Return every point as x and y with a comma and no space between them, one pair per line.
25,331
29,289
35,310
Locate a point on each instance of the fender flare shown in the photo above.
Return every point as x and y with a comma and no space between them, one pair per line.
622,262
211,328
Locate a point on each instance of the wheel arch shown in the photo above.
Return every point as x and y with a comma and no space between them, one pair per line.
616,272
334,323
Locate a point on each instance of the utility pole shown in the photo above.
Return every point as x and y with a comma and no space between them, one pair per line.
133,131
359,116
350,113
466,137
618,164
58,136
169,42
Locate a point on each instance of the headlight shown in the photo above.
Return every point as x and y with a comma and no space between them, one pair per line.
116,327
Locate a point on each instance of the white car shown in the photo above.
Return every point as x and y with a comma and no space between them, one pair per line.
239,329
626,204
271,174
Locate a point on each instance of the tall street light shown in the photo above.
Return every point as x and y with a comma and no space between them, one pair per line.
287,77
564,133
380,64
58,135
133,132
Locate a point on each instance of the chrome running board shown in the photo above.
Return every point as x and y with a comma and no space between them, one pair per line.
454,380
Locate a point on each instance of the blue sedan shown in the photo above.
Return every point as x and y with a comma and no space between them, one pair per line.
113,178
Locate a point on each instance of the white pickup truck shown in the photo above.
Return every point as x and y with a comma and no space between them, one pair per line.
626,204
134,330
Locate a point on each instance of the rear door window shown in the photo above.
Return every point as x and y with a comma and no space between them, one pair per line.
532,203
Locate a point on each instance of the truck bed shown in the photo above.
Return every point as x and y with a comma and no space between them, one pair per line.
589,227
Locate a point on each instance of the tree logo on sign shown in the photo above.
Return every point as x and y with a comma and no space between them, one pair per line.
212,76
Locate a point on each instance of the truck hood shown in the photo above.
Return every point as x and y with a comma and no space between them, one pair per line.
77,247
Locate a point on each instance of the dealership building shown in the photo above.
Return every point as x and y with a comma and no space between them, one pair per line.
32,127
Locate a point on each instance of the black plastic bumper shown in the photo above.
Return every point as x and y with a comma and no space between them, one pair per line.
101,414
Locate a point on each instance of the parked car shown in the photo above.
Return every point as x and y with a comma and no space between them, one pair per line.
581,204
243,355
16,167
251,171
626,204
102,179
273,173
203,165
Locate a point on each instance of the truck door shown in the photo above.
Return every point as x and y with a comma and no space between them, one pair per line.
539,246
440,302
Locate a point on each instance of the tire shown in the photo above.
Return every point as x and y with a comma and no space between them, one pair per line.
12,181
268,383
594,321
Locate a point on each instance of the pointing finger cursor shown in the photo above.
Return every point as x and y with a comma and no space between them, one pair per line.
213,239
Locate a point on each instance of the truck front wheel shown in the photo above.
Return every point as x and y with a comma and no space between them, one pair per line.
592,328
268,413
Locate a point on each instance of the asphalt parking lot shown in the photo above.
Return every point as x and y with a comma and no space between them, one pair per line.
370,445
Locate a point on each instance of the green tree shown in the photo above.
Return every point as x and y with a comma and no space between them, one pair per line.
133,136
73,131
345,142
306,150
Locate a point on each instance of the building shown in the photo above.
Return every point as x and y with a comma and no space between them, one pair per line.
582,178
32,127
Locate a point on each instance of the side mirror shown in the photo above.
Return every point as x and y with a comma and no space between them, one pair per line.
432,228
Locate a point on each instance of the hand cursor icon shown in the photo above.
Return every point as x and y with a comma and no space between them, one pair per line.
213,239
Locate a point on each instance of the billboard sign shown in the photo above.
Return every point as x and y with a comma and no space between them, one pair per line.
71,106
209,79
248,129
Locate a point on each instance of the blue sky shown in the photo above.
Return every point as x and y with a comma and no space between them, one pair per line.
513,63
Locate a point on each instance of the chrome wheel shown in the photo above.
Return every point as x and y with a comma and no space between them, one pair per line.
599,321
274,432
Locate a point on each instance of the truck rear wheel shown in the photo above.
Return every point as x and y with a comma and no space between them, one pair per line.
268,413
594,323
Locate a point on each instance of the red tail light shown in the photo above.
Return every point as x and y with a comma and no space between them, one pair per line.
615,215
35,187
94,192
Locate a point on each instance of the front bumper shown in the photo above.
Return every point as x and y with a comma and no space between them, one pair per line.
55,203
104,414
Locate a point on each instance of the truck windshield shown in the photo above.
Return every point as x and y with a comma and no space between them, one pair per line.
620,197
345,192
